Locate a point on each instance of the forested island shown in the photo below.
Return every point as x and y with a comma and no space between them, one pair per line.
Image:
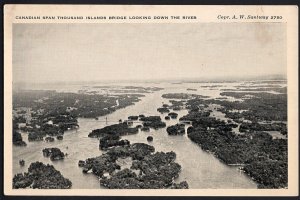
41,176
253,149
44,113
148,170
251,134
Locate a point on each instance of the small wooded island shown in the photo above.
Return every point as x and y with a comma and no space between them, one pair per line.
244,137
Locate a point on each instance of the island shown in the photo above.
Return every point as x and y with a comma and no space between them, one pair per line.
148,170
251,146
41,176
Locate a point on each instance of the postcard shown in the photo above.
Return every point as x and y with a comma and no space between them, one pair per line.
151,100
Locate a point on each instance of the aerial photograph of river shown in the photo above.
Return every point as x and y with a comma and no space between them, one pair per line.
149,106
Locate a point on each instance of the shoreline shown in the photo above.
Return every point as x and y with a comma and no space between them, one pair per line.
141,102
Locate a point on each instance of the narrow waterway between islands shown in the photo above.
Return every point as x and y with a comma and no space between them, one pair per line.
199,168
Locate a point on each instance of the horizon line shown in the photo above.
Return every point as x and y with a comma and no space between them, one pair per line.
181,79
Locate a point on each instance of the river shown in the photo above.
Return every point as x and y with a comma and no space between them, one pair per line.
199,168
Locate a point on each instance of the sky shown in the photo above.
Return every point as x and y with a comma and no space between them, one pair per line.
102,52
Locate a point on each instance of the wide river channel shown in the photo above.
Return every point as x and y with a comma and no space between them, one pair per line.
199,168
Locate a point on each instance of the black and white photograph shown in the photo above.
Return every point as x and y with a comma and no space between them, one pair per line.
171,106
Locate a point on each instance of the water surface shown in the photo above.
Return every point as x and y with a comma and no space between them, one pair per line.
200,169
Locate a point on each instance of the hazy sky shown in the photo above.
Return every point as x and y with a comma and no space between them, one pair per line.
95,52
